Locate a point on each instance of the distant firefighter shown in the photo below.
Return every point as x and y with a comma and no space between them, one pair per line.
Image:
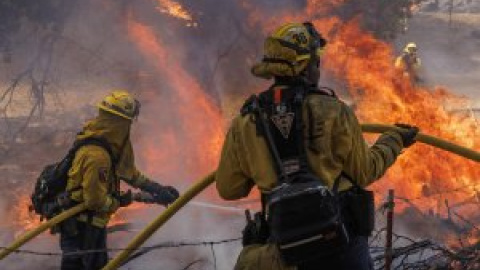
409,63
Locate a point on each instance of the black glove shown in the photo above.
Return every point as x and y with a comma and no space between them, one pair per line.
144,197
166,195
163,194
408,134
125,199
256,230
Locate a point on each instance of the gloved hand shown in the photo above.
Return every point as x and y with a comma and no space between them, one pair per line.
256,230
163,194
125,199
144,197
166,195
250,234
408,134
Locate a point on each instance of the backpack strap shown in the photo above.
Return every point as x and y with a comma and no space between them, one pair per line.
265,128
343,175
97,141
302,154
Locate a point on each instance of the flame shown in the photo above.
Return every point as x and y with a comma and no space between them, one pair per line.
176,10
22,218
193,111
429,176
424,174
382,95
189,126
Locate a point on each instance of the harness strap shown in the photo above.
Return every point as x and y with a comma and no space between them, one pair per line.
302,154
253,105
343,175
260,115
97,141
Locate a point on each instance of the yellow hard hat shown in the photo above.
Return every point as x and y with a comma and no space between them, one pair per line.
411,47
120,103
289,49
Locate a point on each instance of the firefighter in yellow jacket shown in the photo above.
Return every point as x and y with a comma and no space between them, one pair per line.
332,139
94,179
409,63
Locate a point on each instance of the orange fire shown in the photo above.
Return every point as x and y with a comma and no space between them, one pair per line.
176,10
380,95
190,110
23,218
189,126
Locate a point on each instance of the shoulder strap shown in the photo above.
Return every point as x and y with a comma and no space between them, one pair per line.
343,175
255,108
302,154
323,90
98,141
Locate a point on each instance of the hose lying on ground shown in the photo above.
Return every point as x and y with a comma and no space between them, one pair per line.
205,182
43,227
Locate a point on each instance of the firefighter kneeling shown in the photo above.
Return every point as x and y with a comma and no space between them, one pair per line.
303,148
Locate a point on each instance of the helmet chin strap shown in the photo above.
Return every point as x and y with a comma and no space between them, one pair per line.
317,41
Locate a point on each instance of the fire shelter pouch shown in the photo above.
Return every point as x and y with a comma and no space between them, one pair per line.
305,220
359,205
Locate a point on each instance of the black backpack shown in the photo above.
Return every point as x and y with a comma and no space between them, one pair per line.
303,214
52,182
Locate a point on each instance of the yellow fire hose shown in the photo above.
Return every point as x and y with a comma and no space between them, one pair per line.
43,227
199,187
427,139
160,220
205,182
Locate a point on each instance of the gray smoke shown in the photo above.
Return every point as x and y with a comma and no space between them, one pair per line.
94,54
451,5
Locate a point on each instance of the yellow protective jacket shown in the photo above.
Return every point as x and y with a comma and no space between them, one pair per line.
409,64
334,144
91,178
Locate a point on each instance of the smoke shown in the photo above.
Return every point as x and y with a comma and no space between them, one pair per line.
191,81
449,52
453,5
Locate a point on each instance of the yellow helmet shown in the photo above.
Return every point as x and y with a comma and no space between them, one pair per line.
410,48
289,49
120,103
